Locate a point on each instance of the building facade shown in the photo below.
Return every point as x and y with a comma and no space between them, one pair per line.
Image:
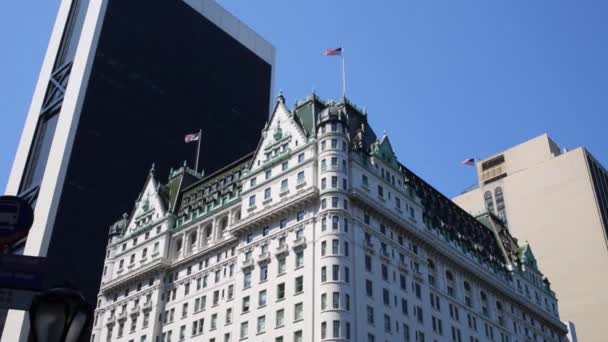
558,201
319,235
122,82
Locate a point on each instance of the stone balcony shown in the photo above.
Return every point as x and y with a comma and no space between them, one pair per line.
283,249
147,305
264,257
121,316
134,310
299,243
248,263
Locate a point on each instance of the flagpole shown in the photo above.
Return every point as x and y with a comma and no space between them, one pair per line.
198,149
343,76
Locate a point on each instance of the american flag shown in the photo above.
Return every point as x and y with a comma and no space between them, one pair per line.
333,52
192,137
469,161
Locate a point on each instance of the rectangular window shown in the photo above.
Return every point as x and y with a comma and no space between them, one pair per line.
299,286
246,303
300,157
280,291
335,330
298,311
244,330
247,280
262,298
299,259
261,324
280,318
281,265
263,273
300,177
297,336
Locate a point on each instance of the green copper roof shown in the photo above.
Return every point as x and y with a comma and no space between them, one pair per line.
384,150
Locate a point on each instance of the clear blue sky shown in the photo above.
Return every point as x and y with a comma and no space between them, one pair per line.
447,79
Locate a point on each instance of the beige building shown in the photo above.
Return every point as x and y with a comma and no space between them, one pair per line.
558,201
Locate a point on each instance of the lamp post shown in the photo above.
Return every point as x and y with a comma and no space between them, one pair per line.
59,315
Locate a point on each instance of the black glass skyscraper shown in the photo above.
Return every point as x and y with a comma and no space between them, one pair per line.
123,81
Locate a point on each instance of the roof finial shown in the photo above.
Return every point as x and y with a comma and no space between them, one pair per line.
152,168
280,98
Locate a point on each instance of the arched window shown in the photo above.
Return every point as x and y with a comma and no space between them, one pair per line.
487,197
178,247
223,223
192,241
208,230
500,204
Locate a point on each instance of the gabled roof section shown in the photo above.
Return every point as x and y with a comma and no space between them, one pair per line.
306,112
506,241
179,179
280,135
150,204
383,150
527,258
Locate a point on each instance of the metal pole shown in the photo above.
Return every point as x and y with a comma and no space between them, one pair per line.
343,76
198,149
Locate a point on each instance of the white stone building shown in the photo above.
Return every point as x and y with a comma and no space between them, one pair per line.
319,235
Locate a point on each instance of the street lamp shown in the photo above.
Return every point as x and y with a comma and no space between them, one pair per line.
59,315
